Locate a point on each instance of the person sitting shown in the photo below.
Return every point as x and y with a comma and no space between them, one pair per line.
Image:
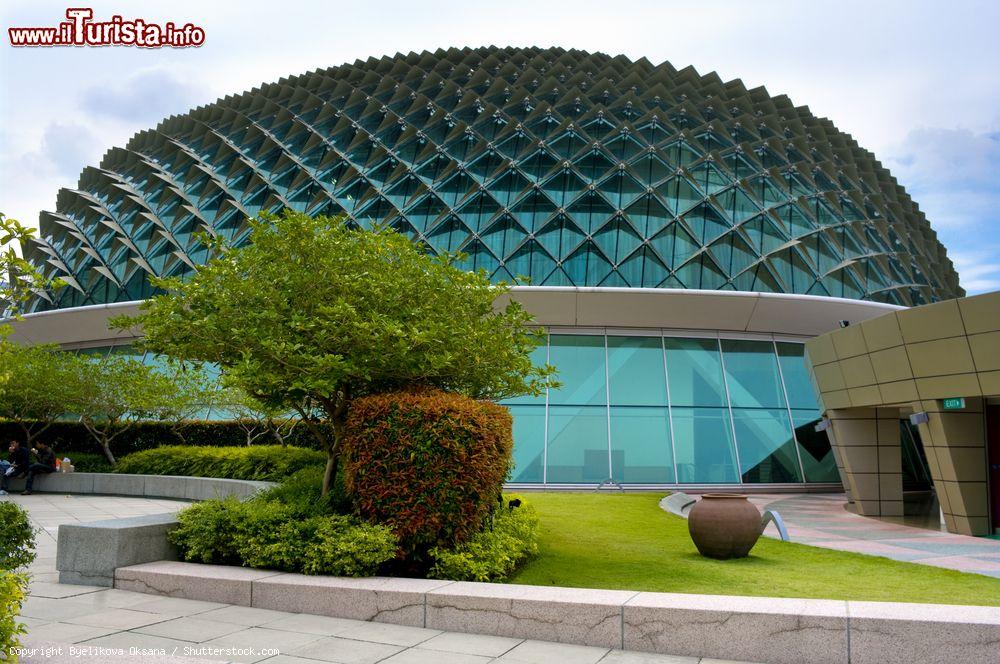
46,464
18,461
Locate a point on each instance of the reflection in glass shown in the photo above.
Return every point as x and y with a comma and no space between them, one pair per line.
578,444
640,445
539,357
580,360
529,443
766,446
818,461
793,371
752,374
703,443
635,371
694,372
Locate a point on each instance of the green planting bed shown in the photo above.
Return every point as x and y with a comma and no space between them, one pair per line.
625,541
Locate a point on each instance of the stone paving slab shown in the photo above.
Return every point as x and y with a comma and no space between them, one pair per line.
176,629
822,520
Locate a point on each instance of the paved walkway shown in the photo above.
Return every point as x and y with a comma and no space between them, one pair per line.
68,623
822,520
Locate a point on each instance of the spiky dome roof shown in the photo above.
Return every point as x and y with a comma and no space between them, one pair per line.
566,167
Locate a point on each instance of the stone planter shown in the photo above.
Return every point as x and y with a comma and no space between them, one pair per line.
724,525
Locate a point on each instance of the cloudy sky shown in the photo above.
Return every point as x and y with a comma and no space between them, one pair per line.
915,81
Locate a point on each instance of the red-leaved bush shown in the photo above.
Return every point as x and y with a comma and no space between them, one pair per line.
429,464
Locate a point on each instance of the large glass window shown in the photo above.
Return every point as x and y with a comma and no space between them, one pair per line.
818,462
635,371
580,360
578,444
529,443
703,442
641,451
767,449
695,372
752,374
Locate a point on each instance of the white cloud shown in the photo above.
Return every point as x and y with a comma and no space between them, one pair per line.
145,97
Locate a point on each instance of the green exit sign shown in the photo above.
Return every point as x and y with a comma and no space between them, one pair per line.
955,403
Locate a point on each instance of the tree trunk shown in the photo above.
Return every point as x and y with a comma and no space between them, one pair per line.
106,448
333,456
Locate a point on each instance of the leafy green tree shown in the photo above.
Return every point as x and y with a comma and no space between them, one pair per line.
114,394
312,314
20,280
38,382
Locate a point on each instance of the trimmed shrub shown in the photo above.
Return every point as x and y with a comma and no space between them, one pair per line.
260,462
493,553
268,534
17,537
427,463
205,531
348,547
13,588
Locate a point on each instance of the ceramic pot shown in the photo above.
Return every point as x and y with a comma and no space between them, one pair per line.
724,525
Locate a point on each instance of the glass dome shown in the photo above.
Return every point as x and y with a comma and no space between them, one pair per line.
562,167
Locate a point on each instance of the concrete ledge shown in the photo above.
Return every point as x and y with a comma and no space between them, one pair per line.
213,583
786,631
377,599
759,629
89,553
147,486
570,615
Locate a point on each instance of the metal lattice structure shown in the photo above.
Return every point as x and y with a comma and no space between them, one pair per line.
565,167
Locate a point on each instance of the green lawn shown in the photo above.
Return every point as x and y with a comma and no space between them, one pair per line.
625,541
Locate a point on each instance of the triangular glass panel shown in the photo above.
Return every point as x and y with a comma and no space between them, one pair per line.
649,215
709,177
617,239
737,205
590,211
593,165
587,267
533,210
477,211
448,235
679,194
621,189
503,236
560,236
563,187
643,269
706,223
650,169
531,261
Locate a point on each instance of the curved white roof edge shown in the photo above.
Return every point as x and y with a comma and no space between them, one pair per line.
553,306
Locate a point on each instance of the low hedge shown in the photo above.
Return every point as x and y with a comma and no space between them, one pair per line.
289,528
69,437
13,589
17,537
17,551
494,553
429,464
259,462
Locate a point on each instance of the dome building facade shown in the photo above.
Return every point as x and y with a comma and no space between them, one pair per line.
679,236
